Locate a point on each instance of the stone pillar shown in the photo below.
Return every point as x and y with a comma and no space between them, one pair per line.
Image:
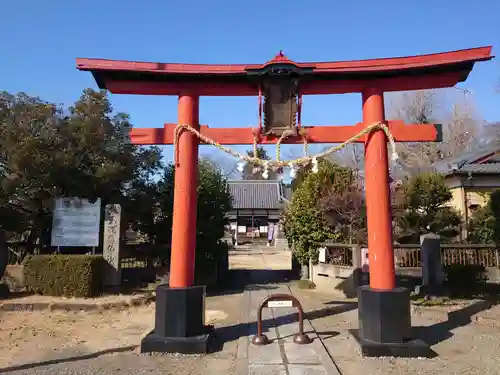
111,245
228,235
234,233
280,240
430,260
357,268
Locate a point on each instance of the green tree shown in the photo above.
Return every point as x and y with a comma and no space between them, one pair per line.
29,142
484,225
140,209
481,226
4,256
250,172
82,152
306,225
494,205
421,208
300,176
214,201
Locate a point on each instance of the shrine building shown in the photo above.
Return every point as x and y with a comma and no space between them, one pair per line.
257,205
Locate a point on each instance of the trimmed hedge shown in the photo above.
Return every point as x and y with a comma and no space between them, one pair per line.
463,280
64,275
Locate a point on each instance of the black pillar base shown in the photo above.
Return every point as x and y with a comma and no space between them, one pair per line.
385,324
179,322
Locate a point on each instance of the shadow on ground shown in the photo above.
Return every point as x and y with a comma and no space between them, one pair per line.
235,282
349,285
442,331
239,279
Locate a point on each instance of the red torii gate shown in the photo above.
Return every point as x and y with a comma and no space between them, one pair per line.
384,309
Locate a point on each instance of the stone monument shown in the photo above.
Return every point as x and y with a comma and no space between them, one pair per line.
111,245
430,259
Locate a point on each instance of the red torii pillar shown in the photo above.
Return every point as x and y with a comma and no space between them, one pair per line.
185,197
384,308
378,195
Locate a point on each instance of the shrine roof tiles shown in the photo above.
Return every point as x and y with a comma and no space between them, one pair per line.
256,194
483,160
493,168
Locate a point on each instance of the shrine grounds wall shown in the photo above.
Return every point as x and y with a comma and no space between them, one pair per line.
338,274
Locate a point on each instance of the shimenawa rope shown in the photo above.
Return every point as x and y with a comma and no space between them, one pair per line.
304,160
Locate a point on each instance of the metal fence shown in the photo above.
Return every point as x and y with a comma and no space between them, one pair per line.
408,256
141,263
339,254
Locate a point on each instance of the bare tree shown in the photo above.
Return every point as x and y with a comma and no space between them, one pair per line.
421,106
352,157
491,133
463,127
457,114
344,207
228,165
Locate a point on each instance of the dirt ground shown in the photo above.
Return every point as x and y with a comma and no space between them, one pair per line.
32,336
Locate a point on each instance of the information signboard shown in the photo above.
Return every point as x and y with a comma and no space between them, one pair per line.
75,222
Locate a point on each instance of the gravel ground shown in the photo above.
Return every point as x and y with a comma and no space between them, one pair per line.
135,364
470,349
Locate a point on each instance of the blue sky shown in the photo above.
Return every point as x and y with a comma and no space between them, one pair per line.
42,39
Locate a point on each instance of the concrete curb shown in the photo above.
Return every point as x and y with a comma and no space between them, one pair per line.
242,350
325,356
320,348
68,306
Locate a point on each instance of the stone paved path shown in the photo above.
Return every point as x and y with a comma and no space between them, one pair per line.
282,356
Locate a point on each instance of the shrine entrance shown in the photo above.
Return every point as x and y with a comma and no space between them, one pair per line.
279,85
